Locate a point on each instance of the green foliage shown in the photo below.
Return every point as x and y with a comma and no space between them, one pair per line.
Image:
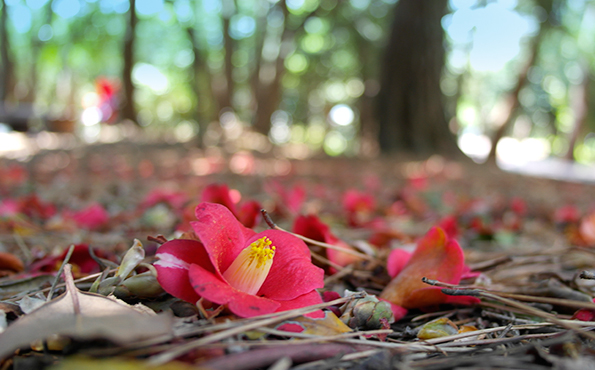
327,50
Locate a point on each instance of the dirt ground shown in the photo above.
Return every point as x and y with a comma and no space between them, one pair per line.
512,229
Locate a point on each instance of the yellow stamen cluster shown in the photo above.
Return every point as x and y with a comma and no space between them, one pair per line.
261,251
251,267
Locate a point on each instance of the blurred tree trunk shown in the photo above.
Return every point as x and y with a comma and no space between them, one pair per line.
411,108
128,111
268,91
201,83
513,102
580,105
225,96
7,72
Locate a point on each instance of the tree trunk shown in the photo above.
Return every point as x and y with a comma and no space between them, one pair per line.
513,99
128,110
580,105
7,73
411,109
206,106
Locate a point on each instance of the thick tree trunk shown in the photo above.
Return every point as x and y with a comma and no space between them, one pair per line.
206,109
268,93
128,109
7,72
411,109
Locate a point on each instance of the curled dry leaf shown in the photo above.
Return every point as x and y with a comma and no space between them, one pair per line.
83,315
10,264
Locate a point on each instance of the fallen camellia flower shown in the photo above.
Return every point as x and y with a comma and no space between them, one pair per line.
248,212
92,217
252,273
81,260
311,227
359,207
437,258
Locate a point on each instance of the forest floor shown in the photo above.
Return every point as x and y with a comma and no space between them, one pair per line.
526,240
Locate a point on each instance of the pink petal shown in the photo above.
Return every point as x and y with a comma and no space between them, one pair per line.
221,233
398,311
175,258
212,288
436,257
311,227
92,217
304,300
292,273
249,213
397,259
216,193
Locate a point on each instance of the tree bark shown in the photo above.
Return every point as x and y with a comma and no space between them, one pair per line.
128,109
7,73
411,109
513,98
580,106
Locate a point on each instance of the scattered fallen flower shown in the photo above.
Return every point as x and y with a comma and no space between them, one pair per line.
92,217
252,274
436,257
311,227
359,207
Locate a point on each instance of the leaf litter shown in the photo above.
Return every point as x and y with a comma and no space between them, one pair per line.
525,242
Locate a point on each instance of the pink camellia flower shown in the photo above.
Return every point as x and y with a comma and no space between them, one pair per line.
175,199
251,273
311,227
221,194
92,217
359,207
436,257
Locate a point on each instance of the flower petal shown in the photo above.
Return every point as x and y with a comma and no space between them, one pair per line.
304,300
218,193
397,260
435,257
221,233
398,311
216,290
175,258
292,273
311,227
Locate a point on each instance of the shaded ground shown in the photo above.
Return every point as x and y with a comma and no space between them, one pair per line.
513,229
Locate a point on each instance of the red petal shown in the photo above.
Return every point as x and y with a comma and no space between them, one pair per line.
92,217
249,213
221,233
292,273
216,193
304,300
435,257
216,290
398,311
175,258
292,327
311,227
397,260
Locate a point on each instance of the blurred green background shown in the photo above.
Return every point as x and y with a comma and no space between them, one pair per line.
334,77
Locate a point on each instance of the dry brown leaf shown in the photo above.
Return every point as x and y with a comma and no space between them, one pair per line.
83,315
